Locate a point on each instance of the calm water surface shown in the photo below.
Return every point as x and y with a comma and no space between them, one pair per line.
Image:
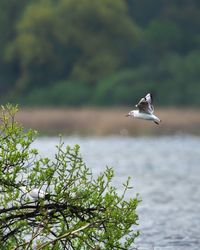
166,173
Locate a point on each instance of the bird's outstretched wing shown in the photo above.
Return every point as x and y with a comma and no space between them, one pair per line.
145,104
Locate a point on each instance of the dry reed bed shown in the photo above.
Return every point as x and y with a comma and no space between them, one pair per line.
106,121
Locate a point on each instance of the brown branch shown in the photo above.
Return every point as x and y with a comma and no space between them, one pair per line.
74,209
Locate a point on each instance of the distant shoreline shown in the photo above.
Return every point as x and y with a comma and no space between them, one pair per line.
108,121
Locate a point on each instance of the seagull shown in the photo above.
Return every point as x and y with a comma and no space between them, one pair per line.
35,193
145,110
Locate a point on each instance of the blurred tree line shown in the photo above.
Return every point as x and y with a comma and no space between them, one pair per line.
108,52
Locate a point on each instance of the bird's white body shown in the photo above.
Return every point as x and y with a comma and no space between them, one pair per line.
34,193
145,116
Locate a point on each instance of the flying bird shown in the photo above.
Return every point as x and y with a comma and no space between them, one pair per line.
145,110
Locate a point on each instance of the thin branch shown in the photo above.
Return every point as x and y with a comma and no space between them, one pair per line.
70,233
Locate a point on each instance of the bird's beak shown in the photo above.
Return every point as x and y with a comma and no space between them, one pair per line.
127,115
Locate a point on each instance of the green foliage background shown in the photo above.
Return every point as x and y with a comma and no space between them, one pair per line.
83,52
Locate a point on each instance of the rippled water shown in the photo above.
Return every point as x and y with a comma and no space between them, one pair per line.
166,173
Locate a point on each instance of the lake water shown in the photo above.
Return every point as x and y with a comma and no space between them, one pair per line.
165,172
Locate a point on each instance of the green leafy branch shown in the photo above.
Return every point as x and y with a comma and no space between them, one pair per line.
77,210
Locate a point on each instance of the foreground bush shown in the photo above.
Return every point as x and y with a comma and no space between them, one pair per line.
78,210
